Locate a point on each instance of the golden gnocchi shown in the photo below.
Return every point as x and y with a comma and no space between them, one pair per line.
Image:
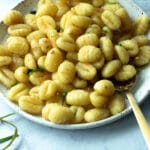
17,45
62,61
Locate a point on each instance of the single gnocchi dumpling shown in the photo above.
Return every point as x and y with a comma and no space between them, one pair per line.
66,72
104,87
143,56
36,77
111,20
111,68
21,74
13,17
89,54
5,60
140,27
45,23
116,104
57,113
19,30
81,21
94,28
30,19
78,97
53,59
131,46
83,9
66,43
86,71
96,114
87,39
36,50
30,62
78,112
97,99
49,9
107,48
31,104
17,45
7,77
35,36
125,73
18,90
79,83
47,89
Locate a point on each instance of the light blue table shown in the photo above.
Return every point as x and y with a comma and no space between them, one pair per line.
121,135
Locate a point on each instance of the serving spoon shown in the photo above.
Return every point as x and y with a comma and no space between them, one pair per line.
142,122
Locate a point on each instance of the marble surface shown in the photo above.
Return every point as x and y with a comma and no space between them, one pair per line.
121,135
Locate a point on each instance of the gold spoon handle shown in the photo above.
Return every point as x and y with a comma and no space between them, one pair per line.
143,124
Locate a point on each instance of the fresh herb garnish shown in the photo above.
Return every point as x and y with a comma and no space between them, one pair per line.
111,2
64,93
30,71
33,12
120,44
12,137
104,30
13,84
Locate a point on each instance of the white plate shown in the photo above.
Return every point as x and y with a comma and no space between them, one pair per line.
140,91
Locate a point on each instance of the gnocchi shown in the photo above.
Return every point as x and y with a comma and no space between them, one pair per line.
63,60
17,45
66,72
89,54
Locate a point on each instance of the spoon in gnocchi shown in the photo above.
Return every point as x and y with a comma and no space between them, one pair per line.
142,122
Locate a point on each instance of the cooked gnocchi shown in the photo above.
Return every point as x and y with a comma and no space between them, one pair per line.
63,61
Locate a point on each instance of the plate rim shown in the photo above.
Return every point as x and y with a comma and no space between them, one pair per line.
99,123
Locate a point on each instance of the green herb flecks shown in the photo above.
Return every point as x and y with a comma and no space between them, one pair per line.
120,44
33,12
12,137
64,93
104,30
14,84
30,71
112,2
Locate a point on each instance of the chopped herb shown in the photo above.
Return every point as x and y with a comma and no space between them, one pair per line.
7,138
120,44
30,71
33,12
13,84
12,137
64,93
104,30
111,2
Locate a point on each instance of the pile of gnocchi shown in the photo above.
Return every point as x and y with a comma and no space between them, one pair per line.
60,61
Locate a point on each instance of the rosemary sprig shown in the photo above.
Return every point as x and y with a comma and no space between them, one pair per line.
5,139
8,115
11,137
